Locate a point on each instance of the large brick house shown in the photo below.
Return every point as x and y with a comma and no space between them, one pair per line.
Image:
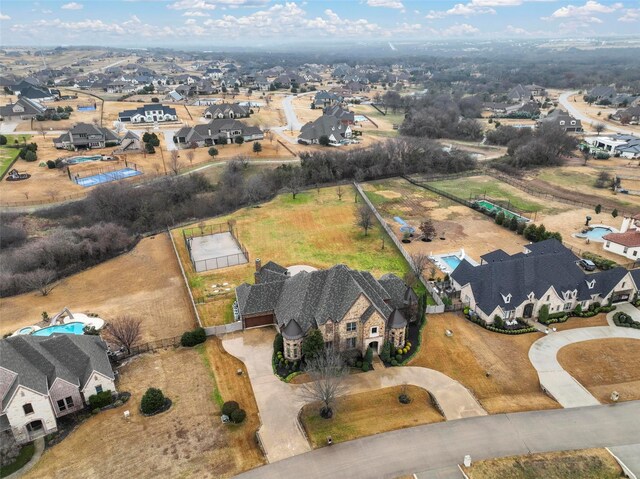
43,378
353,310
545,273
218,131
86,136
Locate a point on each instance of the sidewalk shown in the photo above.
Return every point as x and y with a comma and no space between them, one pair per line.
39,444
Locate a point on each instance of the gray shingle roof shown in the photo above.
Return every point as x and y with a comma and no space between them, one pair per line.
167,110
39,360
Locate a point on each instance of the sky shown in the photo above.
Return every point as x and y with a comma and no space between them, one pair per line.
181,23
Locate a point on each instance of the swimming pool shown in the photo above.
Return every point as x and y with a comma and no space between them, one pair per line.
451,260
27,330
360,118
83,159
595,233
69,328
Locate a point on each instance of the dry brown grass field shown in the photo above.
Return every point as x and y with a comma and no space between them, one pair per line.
495,367
604,366
354,415
584,464
145,283
187,441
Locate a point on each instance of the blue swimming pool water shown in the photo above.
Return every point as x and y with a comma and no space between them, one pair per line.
83,159
107,177
69,328
452,261
596,233
360,118
26,330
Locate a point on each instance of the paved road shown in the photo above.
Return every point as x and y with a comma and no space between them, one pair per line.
279,403
558,383
437,446
573,111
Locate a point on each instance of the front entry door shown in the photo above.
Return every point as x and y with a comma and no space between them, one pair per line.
528,310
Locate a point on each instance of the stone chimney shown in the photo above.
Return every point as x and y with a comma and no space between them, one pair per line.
256,275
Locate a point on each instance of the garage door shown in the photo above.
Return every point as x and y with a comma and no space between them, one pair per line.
257,321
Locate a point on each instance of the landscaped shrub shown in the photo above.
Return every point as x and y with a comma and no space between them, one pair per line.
404,398
51,164
152,401
368,356
278,343
238,415
543,314
599,261
394,362
229,406
100,400
385,354
625,321
399,358
365,367
192,338
358,364
500,218
498,322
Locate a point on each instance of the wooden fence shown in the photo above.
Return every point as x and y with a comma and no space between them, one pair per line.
439,307
153,346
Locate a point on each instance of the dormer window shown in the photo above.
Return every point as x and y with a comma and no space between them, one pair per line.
507,298
531,296
591,284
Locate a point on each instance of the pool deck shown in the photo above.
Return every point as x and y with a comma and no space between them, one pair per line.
442,264
597,239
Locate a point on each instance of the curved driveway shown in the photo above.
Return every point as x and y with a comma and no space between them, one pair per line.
279,403
574,112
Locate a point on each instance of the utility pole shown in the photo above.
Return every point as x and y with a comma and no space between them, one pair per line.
162,156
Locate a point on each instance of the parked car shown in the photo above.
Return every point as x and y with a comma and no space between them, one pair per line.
587,265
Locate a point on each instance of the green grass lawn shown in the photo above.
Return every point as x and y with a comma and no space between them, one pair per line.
8,154
470,187
25,455
564,178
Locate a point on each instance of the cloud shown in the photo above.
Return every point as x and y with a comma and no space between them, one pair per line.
4,17
459,30
386,3
590,8
630,15
72,6
213,4
195,13
477,7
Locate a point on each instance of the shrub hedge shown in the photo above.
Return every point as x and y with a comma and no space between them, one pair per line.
100,400
193,338
625,321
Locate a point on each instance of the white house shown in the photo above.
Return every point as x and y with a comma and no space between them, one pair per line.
43,378
546,273
149,114
627,242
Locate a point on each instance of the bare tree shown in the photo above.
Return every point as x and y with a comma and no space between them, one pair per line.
427,229
42,280
599,127
125,331
586,155
364,218
52,193
26,194
327,372
190,155
174,162
340,192
420,262
295,183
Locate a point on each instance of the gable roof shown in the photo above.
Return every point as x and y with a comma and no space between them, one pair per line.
167,110
324,126
37,361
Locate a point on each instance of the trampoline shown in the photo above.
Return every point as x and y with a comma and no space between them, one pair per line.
94,180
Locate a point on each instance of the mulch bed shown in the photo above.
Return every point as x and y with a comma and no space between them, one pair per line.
165,407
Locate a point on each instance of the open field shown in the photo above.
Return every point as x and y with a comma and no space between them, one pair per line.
364,414
316,229
495,367
187,441
145,283
585,464
462,226
7,155
384,122
604,366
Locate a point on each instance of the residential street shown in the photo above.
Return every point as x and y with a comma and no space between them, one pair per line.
586,120
436,446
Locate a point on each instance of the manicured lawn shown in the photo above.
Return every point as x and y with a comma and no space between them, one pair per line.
567,178
7,155
25,455
364,414
315,228
585,464
470,187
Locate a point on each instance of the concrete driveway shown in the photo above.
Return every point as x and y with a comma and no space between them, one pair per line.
279,403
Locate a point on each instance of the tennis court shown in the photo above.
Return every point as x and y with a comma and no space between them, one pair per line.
94,180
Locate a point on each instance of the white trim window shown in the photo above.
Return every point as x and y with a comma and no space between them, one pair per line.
374,331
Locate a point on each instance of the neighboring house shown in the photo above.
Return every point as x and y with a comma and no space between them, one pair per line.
630,115
323,99
43,378
38,93
131,143
174,96
216,132
627,242
326,125
562,119
352,309
546,273
525,93
227,110
346,117
601,92
24,109
148,114
86,136
626,146
120,87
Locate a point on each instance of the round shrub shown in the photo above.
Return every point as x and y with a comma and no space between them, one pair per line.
408,345
238,416
394,362
399,351
399,357
405,351
229,407
152,401
365,367
358,364
95,411
404,398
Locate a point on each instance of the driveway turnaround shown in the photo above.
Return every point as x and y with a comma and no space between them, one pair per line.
437,446
554,380
279,403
